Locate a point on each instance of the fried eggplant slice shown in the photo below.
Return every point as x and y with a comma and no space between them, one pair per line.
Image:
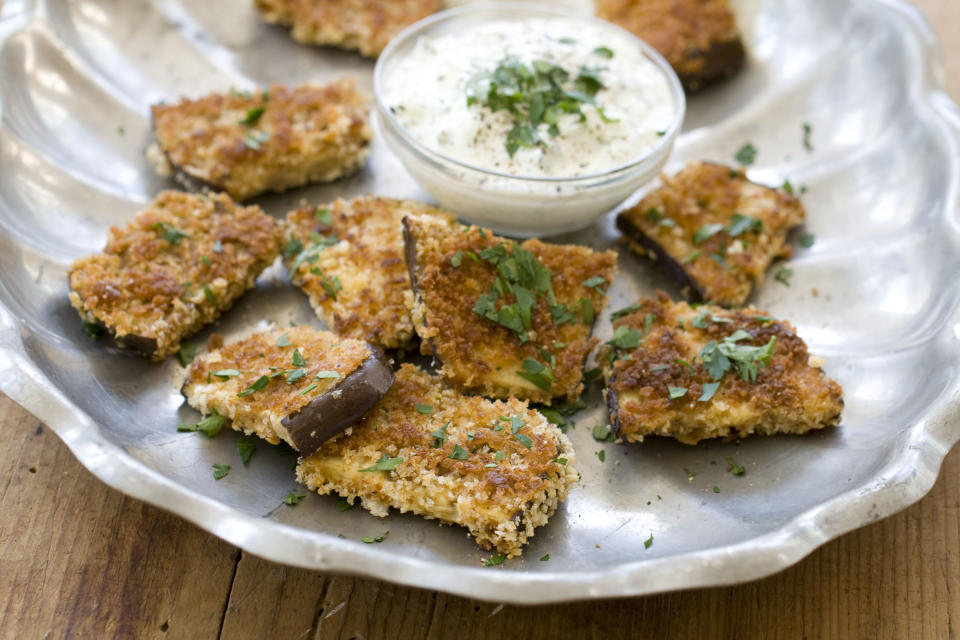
175,268
501,318
699,38
348,258
713,231
298,385
708,372
248,143
497,468
365,26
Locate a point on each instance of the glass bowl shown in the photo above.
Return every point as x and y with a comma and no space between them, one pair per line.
510,204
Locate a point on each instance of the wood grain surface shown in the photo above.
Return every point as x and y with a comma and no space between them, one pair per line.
79,560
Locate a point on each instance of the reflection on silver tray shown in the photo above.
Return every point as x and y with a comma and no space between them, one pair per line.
877,296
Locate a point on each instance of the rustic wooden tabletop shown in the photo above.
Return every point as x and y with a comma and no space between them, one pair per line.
80,560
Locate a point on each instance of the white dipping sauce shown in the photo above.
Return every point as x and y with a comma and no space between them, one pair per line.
427,92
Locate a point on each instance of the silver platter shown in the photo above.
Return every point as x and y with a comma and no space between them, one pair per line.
877,295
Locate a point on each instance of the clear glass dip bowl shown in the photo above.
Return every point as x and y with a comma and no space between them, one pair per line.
511,204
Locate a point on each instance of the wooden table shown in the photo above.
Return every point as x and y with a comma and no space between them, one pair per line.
78,559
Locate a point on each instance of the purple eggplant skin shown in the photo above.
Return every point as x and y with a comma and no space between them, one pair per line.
612,408
410,257
330,413
673,268
721,60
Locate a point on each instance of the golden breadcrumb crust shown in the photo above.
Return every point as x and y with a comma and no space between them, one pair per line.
462,461
262,412
699,38
722,269
790,395
223,141
479,355
362,25
367,259
152,286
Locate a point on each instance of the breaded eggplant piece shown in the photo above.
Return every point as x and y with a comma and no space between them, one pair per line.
348,258
713,231
708,372
497,468
501,318
298,385
699,38
250,143
365,26
175,268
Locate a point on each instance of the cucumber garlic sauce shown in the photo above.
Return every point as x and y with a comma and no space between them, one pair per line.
545,97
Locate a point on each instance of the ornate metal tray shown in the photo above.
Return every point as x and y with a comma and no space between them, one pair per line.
877,295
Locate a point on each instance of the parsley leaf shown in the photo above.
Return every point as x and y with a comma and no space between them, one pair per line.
626,311
807,240
245,448
709,389
385,463
297,359
537,373
324,375
457,259
783,276
258,385
602,433
440,436
648,542
494,560
252,116
323,216
458,453
807,130
545,557
169,232
293,499
425,409
740,223
677,392
220,471
706,232
746,154
209,426
186,354
625,337
283,341
375,539
735,468
604,52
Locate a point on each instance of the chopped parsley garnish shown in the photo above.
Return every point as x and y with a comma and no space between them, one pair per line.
220,471
604,52
499,455
255,139
735,468
209,426
586,310
93,330
245,448
494,560
517,423
297,359
561,461
458,453
545,557
252,116
537,373
258,385
205,260
706,232
325,375
224,374
592,375
763,319
787,187
308,389
186,354
331,285
293,499
311,253
208,294
807,130
721,357
343,504
457,259
295,375
746,154
601,455
625,337
535,96
169,232
625,311
740,223
693,255
700,320
677,392
292,248
440,436
323,216
709,389
283,341
690,474
602,433
425,409
385,463
593,282
379,538
648,542
783,275
716,489
807,240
